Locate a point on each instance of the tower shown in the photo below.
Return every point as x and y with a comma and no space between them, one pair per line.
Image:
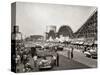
50,32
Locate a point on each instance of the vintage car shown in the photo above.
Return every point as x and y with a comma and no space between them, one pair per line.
38,46
46,62
91,53
46,59
58,47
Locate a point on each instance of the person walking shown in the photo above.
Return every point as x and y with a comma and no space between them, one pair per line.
72,52
35,58
57,60
68,53
33,51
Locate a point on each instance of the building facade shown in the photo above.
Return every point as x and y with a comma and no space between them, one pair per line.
50,32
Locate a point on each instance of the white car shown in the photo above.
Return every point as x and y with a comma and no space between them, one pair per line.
91,53
46,62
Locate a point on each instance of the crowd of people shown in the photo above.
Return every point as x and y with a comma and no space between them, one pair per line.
23,56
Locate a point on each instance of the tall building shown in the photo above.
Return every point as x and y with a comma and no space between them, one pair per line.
50,32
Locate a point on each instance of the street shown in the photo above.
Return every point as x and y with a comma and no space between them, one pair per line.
80,57
64,64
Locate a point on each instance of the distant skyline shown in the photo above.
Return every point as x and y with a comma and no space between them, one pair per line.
32,18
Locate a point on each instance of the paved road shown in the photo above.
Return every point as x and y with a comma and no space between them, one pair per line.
65,64
80,57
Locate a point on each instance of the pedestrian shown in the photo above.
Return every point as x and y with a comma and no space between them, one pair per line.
35,61
68,53
33,51
25,59
72,52
85,49
57,60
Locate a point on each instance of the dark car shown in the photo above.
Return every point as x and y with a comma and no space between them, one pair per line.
38,46
59,48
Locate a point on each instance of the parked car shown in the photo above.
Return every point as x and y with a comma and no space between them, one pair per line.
58,47
38,46
91,53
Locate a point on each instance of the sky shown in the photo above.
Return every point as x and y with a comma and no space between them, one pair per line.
32,18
